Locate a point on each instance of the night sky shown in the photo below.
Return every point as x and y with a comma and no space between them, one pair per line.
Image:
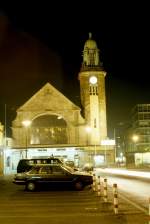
44,44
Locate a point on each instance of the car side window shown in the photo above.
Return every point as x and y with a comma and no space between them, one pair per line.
38,161
57,170
45,170
30,162
35,170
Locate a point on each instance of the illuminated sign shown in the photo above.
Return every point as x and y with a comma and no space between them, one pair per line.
108,142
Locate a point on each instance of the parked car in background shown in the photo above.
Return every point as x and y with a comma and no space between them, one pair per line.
88,167
70,163
26,164
52,175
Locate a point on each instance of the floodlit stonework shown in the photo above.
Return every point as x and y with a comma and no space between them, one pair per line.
48,103
92,85
57,125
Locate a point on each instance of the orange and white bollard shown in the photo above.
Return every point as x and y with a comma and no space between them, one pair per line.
149,211
105,190
99,186
94,182
115,194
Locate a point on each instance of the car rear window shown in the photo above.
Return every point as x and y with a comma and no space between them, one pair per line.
26,164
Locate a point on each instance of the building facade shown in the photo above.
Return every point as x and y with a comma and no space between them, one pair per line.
1,147
92,90
138,147
56,124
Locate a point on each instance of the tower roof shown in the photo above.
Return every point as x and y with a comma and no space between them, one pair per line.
90,43
91,57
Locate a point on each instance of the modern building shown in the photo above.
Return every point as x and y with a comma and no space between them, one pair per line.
138,147
49,123
1,147
5,151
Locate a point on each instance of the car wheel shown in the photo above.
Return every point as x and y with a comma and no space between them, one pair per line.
31,186
79,186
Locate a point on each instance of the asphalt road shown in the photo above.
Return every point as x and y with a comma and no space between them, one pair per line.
134,188
18,206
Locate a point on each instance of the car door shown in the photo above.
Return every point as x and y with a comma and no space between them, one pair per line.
45,173
61,177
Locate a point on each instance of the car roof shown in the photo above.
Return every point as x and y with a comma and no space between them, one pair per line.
57,164
42,158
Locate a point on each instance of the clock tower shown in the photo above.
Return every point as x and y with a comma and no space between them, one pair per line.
92,90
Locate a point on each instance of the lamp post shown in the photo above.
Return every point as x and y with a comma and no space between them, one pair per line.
115,149
26,124
135,139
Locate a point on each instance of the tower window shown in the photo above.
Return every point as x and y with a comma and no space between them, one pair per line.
96,91
93,90
90,90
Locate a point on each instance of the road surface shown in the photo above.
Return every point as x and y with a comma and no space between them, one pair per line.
134,185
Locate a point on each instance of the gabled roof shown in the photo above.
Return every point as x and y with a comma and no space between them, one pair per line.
49,98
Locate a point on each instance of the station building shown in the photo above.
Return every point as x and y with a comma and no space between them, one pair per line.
50,124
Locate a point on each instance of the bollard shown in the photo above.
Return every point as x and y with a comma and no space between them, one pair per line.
115,193
105,190
99,186
149,211
94,182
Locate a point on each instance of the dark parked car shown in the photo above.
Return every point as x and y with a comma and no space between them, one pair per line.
52,175
25,165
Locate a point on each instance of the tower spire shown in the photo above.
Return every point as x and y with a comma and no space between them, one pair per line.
90,35
91,55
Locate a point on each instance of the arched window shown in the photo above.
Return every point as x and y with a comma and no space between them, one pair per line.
48,130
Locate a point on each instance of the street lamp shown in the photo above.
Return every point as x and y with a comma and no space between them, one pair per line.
135,138
26,124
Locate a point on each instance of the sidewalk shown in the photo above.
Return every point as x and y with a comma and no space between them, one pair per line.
95,213
127,212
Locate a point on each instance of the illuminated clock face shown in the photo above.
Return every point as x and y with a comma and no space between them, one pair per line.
93,79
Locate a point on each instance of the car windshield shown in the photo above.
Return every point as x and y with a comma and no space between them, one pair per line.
68,169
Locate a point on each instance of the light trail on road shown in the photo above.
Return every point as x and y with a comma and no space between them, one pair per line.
125,172
136,190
